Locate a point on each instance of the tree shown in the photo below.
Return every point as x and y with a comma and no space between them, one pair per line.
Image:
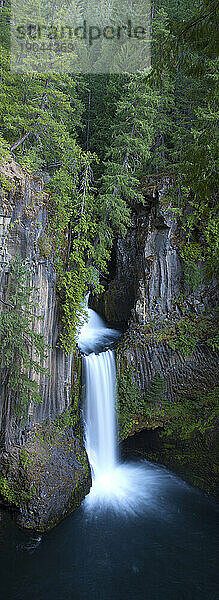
72,228
97,136
195,136
22,349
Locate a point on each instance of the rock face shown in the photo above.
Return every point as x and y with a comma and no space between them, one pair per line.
182,374
195,460
148,267
150,293
22,225
149,277
149,287
46,479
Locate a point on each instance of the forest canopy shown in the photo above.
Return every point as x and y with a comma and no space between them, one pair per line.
98,136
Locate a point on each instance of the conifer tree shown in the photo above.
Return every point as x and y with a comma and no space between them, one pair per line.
22,349
98,135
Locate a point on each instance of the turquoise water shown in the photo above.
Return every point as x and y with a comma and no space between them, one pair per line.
166,552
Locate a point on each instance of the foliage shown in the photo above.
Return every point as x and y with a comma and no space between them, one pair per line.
213,342
129,394
193,158
198,413
4,149
39,116
22,349
191,330
133,406
7,491
69,419
72,229
157,390
193,277
5,185
185,333
98,136
131,137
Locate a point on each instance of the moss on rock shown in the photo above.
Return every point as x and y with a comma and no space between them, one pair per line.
194,459
180,401
48,477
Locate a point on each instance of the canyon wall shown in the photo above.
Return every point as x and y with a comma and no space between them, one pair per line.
166,365
44,470
22,223
149,291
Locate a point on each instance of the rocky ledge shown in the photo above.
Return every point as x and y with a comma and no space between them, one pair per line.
46,479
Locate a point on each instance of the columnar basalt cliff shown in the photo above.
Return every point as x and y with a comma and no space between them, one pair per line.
45,472
149,278
168,322
150,291
22,223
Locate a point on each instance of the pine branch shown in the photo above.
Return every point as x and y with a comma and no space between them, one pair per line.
26,135
97,239
199,20
20,141
7,303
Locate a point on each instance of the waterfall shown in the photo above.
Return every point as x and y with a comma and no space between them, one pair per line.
99,412
123,486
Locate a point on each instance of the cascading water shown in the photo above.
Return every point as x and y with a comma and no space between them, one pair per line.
154,537
100,417
124,486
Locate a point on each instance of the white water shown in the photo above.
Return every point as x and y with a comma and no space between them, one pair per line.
125,487
94,335
100,418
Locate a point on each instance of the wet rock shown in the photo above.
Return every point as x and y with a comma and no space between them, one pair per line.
44,471
195,459
46,479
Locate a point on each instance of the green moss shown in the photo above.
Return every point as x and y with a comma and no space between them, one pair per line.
13,494
6,185
194,458
7,491
194,413
26,457
135,409
184,334
45,245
